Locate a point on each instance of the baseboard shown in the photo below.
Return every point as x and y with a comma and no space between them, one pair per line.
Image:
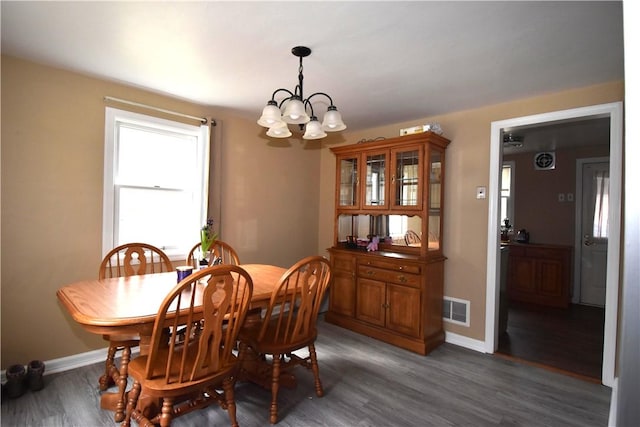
71,362
466,342
613,407
95,356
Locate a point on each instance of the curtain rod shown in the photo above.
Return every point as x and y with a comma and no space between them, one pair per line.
162,110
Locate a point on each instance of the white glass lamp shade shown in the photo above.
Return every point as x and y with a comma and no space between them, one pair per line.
294,113
270,115
279,130
332,121
313,129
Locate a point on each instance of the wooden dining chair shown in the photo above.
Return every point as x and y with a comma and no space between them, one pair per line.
221,252
132,259
125,260
411,237
289,325
184,375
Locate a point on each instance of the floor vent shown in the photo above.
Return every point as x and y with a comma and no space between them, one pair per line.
456,310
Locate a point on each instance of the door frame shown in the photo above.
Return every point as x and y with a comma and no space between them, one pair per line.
577,253
614,112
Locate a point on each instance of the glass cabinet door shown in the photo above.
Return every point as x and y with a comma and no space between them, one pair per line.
375,188
406,179
348,183
434,225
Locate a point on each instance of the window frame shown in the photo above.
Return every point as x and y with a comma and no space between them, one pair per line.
115,117
511,199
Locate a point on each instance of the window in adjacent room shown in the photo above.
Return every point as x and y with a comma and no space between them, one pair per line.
507,192
601,210
155,182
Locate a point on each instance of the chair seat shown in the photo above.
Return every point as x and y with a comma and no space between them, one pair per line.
158,386
272,344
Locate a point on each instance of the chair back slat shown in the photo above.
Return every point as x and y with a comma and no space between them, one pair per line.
132,259
295,303
211,304
411,237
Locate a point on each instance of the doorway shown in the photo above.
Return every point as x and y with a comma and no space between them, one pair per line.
613,112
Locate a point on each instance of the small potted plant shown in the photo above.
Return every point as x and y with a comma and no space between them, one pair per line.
505,231
207,239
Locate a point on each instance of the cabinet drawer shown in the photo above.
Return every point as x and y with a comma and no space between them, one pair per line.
398,277
391,265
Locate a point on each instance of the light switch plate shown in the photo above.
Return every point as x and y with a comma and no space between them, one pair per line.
481,192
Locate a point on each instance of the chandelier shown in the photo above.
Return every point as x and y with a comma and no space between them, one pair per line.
295,110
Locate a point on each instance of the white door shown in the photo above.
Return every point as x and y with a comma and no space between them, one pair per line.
594,234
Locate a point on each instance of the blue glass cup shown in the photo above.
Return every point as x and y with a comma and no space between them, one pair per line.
183,272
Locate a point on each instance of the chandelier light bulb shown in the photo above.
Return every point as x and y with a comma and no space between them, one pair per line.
279,130
270,115
333,120
294,113
313,129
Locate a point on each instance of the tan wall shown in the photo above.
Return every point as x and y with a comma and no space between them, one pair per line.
466,218
52,175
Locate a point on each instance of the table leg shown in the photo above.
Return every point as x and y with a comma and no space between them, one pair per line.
257,370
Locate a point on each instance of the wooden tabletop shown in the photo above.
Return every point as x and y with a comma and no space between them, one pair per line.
130,304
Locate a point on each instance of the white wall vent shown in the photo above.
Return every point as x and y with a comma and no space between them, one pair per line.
455,310
545,160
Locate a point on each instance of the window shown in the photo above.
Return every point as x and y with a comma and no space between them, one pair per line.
507,192
155,182
601,209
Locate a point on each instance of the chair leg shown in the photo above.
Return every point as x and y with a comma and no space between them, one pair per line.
167,412
228,385
132,402
316,370
122,383
275,386
106,380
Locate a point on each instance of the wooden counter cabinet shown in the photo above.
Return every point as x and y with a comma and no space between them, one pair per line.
389,295
540,274
396,298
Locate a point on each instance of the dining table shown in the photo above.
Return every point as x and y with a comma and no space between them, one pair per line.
129,305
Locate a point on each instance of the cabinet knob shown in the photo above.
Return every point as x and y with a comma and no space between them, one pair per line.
402,279
371,272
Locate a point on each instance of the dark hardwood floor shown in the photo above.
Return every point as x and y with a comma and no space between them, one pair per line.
366,383
565,339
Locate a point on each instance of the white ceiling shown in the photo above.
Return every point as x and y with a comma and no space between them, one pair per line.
381,62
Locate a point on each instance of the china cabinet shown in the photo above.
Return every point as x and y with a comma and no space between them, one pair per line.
386,190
